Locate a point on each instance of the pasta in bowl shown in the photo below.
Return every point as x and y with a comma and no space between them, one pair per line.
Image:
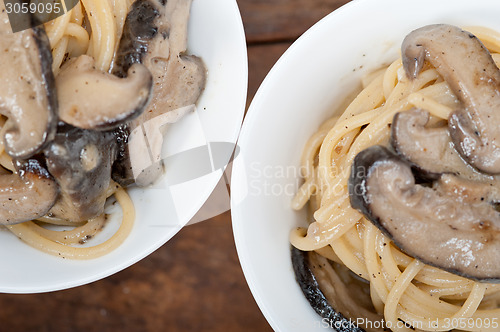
419,214
76,118
345,223
99,65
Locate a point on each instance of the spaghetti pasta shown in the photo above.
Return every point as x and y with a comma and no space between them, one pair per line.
401,287
70,36
51,242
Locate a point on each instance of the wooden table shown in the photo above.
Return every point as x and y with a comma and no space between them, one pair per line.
194,282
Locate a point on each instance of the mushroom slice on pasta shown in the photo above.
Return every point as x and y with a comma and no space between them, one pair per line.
334,293
80,161
447,225
424,146
431,152
468,68
27,97
155,34
92,99
27,194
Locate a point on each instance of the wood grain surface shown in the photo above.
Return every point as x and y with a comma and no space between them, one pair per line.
194,282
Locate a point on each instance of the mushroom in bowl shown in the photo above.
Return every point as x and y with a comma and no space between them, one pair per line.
64,119
215,34
404,206
335,107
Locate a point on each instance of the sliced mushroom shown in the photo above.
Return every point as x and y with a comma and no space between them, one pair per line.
28,97
432,153
139,33
26,195
429,149
155,34
92,99
338,300
468,68
446,228
80,161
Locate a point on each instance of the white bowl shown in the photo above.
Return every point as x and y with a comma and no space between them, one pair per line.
317,72
216,34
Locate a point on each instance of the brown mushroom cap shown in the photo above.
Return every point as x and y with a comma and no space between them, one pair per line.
468,68
92,99
155,34
429,149
80,161
431,153
26,195
27,97
442,226
330,295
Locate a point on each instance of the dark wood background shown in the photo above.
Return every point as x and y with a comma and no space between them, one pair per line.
194,282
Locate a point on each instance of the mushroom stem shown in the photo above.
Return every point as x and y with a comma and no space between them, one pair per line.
447,226
92,99
155,34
